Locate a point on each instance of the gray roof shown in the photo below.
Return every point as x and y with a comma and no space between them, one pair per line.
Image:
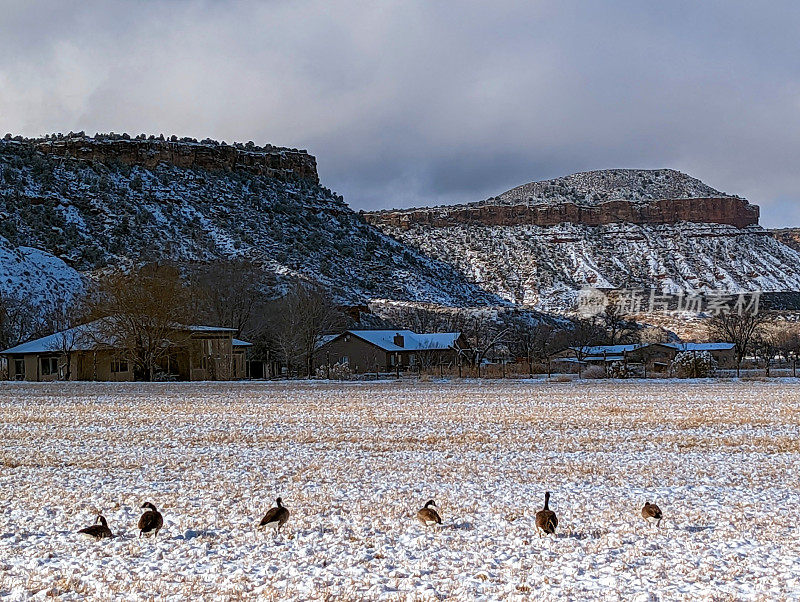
700,346
200,328
604,358
241,343
87,337
609,349
326,339
80,338
412,341
596,352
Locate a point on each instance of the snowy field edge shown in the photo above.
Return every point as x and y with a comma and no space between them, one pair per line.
354,461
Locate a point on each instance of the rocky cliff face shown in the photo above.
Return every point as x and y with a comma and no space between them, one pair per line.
545,267
538,244
273,162
788,236
709,210
85,205
591,199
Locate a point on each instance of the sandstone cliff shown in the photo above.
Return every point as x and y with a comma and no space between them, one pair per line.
788,236
275,162
88,204
591,199
538,244
710,210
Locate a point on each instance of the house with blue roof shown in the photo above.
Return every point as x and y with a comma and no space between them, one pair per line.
90,352
653,357
389,350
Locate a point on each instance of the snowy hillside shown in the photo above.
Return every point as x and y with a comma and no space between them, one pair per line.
593,187
27,273
125,201
108,211
544,267
788,236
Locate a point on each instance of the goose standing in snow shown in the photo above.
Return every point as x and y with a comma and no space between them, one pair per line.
150,521
98,531
546,519
276,516
428,516
652,514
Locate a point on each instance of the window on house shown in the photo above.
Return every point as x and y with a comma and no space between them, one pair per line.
19,369
49,365
119,366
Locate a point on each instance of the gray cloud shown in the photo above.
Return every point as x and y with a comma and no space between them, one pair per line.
410,103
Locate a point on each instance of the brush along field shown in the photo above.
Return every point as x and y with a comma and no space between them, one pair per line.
355,461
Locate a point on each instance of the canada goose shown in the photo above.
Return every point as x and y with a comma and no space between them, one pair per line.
428,516
275,516
546,519
96,531
151,520
652,513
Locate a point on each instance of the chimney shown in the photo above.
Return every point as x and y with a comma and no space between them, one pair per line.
399,340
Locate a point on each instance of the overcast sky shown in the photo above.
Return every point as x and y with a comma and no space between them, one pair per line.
412,103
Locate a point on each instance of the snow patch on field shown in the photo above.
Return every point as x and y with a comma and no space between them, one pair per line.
354,462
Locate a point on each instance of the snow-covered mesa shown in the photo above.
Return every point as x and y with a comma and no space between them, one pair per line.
353,462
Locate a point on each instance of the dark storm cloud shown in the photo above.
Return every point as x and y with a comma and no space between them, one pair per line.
409,103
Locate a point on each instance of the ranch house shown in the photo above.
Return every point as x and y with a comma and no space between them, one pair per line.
87,353
653,357
389,350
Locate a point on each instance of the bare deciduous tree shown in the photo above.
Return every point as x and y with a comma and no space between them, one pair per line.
140,312
787,338
20,320
741,329
585,333
483,335
62,318
619,329
532,341
298,322
230,293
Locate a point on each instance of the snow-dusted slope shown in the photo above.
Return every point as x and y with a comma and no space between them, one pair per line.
34,274
593,187
109,211
788,236
544,267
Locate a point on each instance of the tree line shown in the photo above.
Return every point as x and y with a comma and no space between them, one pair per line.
286,319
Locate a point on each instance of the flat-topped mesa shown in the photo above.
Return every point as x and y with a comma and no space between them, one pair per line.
271,161
597,198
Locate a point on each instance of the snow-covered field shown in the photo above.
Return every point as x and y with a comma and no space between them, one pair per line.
354,462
